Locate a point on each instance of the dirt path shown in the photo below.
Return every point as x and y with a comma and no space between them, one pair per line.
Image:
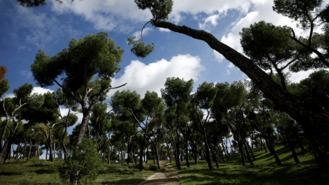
169,176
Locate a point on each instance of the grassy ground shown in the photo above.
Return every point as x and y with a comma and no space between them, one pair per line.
263,172
45,173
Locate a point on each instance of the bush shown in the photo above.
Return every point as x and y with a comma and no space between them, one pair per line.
153,168
83,165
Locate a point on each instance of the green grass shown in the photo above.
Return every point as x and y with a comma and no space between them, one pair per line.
45,173
263,172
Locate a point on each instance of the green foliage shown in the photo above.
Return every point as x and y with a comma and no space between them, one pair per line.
139,48
100,120
267,44
41,108
297,10
160,9
126,102
177,91
83,165
205,95
94,55
23,92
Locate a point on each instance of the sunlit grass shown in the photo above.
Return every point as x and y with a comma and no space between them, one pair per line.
44,172
263,172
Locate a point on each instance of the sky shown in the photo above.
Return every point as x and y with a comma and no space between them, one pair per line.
24,31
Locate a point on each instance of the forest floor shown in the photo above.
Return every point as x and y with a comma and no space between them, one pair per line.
263,172
167,176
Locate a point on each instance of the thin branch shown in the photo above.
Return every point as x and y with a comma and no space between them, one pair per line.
319,54
117,87
143,29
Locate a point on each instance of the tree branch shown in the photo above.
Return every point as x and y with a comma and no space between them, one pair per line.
319,54
269,87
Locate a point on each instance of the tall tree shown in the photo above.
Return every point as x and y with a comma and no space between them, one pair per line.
12,108
83,71
204,100
177,95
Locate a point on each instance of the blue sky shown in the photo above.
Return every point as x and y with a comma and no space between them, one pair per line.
24,31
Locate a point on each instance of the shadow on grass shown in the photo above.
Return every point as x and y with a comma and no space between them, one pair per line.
124,181
10,173
46,171
257,175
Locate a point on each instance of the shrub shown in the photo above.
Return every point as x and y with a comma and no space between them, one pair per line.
83,165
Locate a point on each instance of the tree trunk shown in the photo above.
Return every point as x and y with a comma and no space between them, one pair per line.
83,125
186,154
241,153
294,154
141,154
248,154
5,150
207,149
195,152
214,156
270,147
249,148
30,150
156,154
177,155
50,144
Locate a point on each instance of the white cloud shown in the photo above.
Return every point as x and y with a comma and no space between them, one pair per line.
104,14
143,77
299,76
209,21
110,14
138,35
42,29
209,7
41,90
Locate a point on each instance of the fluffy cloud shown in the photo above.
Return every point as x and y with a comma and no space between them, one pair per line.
104,14
143,77
108,14
262,10
41,28
211,20
209,7
40,90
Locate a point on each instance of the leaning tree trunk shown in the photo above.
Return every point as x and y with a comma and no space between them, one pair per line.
83,125
284,100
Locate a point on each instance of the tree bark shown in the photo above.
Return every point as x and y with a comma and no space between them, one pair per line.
186,154
177,155
83,126
207,148
241,153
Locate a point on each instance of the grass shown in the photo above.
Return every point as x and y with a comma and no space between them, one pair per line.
37,172
263,172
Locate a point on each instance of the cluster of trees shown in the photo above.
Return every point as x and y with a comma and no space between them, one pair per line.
211,123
